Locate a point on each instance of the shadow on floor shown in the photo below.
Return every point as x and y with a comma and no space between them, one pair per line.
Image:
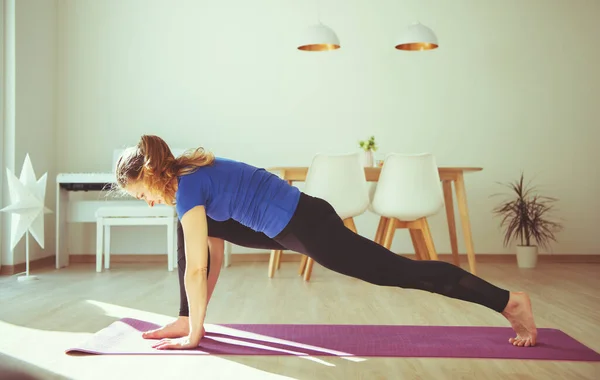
14,369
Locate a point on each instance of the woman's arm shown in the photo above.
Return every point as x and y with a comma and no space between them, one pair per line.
195,279
195,231
216,250
181,326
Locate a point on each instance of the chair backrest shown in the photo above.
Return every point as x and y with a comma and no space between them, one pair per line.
340,180
409,187
371,188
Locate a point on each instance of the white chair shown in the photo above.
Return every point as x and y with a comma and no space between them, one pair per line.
382,219
409,191
130,214
340,180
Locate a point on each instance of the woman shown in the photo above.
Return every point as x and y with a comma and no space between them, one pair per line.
201,186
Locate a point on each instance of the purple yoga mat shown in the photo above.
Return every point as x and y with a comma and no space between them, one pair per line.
124,337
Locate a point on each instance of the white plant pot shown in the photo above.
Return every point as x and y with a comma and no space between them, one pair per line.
527,256
369,159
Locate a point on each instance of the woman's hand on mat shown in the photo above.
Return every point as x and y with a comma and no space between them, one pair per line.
183,343
176,329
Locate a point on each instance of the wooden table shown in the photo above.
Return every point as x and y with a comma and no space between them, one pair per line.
448,175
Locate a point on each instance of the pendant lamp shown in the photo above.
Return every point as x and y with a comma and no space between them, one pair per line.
319,37
417,37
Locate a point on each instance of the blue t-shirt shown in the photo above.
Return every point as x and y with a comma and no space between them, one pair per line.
230,189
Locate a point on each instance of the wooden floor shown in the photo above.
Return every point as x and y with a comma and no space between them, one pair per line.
39,320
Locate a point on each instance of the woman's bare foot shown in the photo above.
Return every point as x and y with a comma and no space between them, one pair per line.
176,329
519,313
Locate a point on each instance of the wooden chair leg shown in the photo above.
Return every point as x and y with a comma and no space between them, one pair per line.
388,235
272,263
428,238
423,245
415,236
308,270
380,230
302,266
278,254
349,223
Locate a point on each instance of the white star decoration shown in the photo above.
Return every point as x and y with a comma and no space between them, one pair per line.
27,196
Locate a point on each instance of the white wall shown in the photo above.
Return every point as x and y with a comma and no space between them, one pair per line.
514,86
4,247
36,84
7,111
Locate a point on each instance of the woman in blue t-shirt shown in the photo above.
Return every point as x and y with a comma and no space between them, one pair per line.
203,187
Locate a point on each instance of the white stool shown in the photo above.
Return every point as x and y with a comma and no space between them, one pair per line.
133,216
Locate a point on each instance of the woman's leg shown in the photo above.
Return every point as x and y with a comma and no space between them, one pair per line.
230,231
184,310
317,231
238,234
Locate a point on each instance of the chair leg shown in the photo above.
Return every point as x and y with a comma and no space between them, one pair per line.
272,260
170,246
380,230
349,223
278,254
308,271
388,235
302,266
422,244
417,241
99,238
106,247
428,238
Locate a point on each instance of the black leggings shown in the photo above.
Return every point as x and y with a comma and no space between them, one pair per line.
318,232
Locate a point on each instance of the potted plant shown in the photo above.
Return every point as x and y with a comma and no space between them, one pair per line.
369,146
525,218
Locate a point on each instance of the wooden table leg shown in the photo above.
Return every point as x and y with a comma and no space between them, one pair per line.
451,221
461,200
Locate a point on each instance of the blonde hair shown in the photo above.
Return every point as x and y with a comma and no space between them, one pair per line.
152,162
